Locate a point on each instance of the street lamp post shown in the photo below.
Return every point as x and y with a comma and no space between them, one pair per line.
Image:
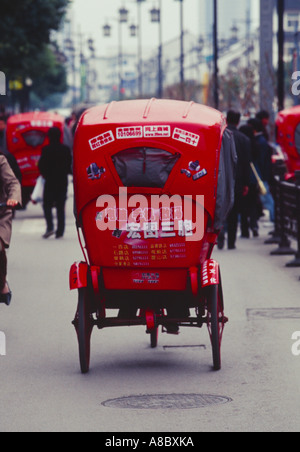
182,88
70,48
123,18
156,17
280,81
182,51
139,39
296,56
106,30
216,69
82,70
90,72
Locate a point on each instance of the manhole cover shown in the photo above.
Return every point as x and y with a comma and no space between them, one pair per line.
167,401
275,313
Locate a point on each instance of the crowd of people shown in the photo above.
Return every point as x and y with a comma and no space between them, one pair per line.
254,165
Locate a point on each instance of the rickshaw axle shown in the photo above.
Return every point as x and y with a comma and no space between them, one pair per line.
188,322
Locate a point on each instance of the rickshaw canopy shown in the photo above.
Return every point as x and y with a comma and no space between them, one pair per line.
154,146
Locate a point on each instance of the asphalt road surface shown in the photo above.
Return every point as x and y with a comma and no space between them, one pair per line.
131,387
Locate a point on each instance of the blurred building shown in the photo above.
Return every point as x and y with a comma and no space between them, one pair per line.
96,79
292,27
230,12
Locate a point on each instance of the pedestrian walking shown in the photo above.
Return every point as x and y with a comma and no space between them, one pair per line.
10,194
55,166
264,117
242,182
253,208
263,165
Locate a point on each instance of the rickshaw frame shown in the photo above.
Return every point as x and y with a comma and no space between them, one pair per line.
202,279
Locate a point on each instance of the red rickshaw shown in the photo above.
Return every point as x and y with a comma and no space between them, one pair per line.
26,135
153,182
288,138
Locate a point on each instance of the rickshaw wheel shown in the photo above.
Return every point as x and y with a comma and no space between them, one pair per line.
84,328
152,327
154,338
215,322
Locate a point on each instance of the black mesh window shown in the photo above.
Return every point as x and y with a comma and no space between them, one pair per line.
297,138
34,138
144,167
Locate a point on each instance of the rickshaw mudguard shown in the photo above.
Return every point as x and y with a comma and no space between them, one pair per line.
210,273
78,275
193,271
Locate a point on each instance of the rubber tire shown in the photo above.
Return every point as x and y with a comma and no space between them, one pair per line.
84,330
215,307
154,338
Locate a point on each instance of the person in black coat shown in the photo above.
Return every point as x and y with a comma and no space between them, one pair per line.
263,165
249,217
55,165
243,149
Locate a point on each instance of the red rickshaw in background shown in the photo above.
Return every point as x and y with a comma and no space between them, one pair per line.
26,135
153,183
288,138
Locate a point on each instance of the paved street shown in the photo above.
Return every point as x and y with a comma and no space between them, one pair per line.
42,388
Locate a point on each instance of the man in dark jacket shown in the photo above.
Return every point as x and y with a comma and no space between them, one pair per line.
263,164
243,149
55,165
